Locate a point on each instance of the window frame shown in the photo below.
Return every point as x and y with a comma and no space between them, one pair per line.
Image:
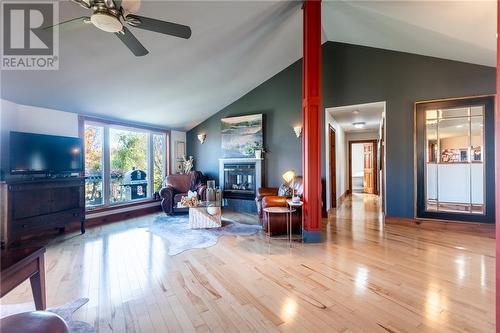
488,156
107,125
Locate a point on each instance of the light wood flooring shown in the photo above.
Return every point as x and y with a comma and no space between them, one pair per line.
363,278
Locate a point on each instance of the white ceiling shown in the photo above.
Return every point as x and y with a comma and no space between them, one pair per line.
456,30
235,46
370,114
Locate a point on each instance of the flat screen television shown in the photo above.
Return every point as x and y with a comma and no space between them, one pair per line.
44,154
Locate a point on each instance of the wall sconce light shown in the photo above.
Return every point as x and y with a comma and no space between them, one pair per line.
298,130
202,137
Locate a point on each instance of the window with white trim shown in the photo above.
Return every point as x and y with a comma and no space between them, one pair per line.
123,164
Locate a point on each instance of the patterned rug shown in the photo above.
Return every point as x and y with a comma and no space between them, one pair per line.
175,229
64,311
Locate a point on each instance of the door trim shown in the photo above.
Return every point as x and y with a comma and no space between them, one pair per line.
333,166
375,164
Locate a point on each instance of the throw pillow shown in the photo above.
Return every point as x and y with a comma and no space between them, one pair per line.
285,191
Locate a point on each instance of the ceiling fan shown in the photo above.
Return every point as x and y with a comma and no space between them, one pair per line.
111,16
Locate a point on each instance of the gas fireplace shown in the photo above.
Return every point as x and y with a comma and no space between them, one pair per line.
240,178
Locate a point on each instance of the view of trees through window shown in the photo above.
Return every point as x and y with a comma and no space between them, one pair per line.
94,141
128,152
131,160
158,160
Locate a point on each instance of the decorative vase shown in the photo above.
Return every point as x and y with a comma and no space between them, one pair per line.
258,154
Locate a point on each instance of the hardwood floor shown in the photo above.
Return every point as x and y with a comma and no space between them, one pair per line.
363,278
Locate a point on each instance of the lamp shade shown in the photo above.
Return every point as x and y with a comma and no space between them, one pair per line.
288,176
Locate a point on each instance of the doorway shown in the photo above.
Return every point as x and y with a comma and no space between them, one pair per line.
333,167
363,166
363,123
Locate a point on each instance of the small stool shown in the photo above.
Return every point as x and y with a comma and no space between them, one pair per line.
33,322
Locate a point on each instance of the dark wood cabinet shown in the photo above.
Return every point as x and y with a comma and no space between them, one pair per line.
40,205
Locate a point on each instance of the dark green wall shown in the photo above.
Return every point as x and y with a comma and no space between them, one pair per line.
351,75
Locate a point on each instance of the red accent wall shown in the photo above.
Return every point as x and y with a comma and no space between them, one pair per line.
311,111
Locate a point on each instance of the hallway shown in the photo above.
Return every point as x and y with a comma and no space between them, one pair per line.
361,208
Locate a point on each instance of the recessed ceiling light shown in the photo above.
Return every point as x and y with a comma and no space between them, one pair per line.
360,124
355,112
460,126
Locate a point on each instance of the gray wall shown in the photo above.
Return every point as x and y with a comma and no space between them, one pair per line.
351,75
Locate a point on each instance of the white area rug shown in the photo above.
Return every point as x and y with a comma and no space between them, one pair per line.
64,311
175,229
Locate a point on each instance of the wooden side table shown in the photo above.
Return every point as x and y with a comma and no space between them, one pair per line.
294,206
279,210
18,265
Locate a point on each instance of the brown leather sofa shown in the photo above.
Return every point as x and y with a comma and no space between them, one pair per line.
177,186
268,197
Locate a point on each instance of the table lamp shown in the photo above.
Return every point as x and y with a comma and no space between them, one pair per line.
289,178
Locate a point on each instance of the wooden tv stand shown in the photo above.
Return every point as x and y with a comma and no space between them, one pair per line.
39,205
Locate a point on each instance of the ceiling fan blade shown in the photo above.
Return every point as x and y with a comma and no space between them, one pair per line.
163,27
70,24
132,43
82,3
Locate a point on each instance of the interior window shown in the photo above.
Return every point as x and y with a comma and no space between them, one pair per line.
454,173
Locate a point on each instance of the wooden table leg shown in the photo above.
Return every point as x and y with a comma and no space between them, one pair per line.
38,285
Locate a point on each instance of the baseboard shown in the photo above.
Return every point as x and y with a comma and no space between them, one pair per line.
341,199
311,236
470,228
120,216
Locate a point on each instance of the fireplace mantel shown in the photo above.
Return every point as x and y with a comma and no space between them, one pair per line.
241,159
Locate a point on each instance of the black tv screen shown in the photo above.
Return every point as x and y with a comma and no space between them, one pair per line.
38,153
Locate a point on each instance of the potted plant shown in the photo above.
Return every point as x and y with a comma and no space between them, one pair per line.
258,153
256,149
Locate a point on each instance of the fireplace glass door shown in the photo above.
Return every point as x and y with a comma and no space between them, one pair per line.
239,180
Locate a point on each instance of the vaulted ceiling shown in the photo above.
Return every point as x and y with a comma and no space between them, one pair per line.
235,46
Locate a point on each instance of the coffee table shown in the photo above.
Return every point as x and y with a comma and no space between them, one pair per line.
207,214
18,265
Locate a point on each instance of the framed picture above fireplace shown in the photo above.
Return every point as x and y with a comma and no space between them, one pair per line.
240,135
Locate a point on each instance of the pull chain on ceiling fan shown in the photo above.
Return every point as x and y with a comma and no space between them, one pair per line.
110,15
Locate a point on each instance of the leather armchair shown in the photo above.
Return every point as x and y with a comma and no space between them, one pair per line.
268,197
177,186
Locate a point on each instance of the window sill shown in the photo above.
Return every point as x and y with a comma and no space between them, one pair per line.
111,208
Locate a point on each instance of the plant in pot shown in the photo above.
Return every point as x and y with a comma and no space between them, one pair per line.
256,148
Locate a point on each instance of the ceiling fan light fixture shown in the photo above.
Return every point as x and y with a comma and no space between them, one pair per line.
106,22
